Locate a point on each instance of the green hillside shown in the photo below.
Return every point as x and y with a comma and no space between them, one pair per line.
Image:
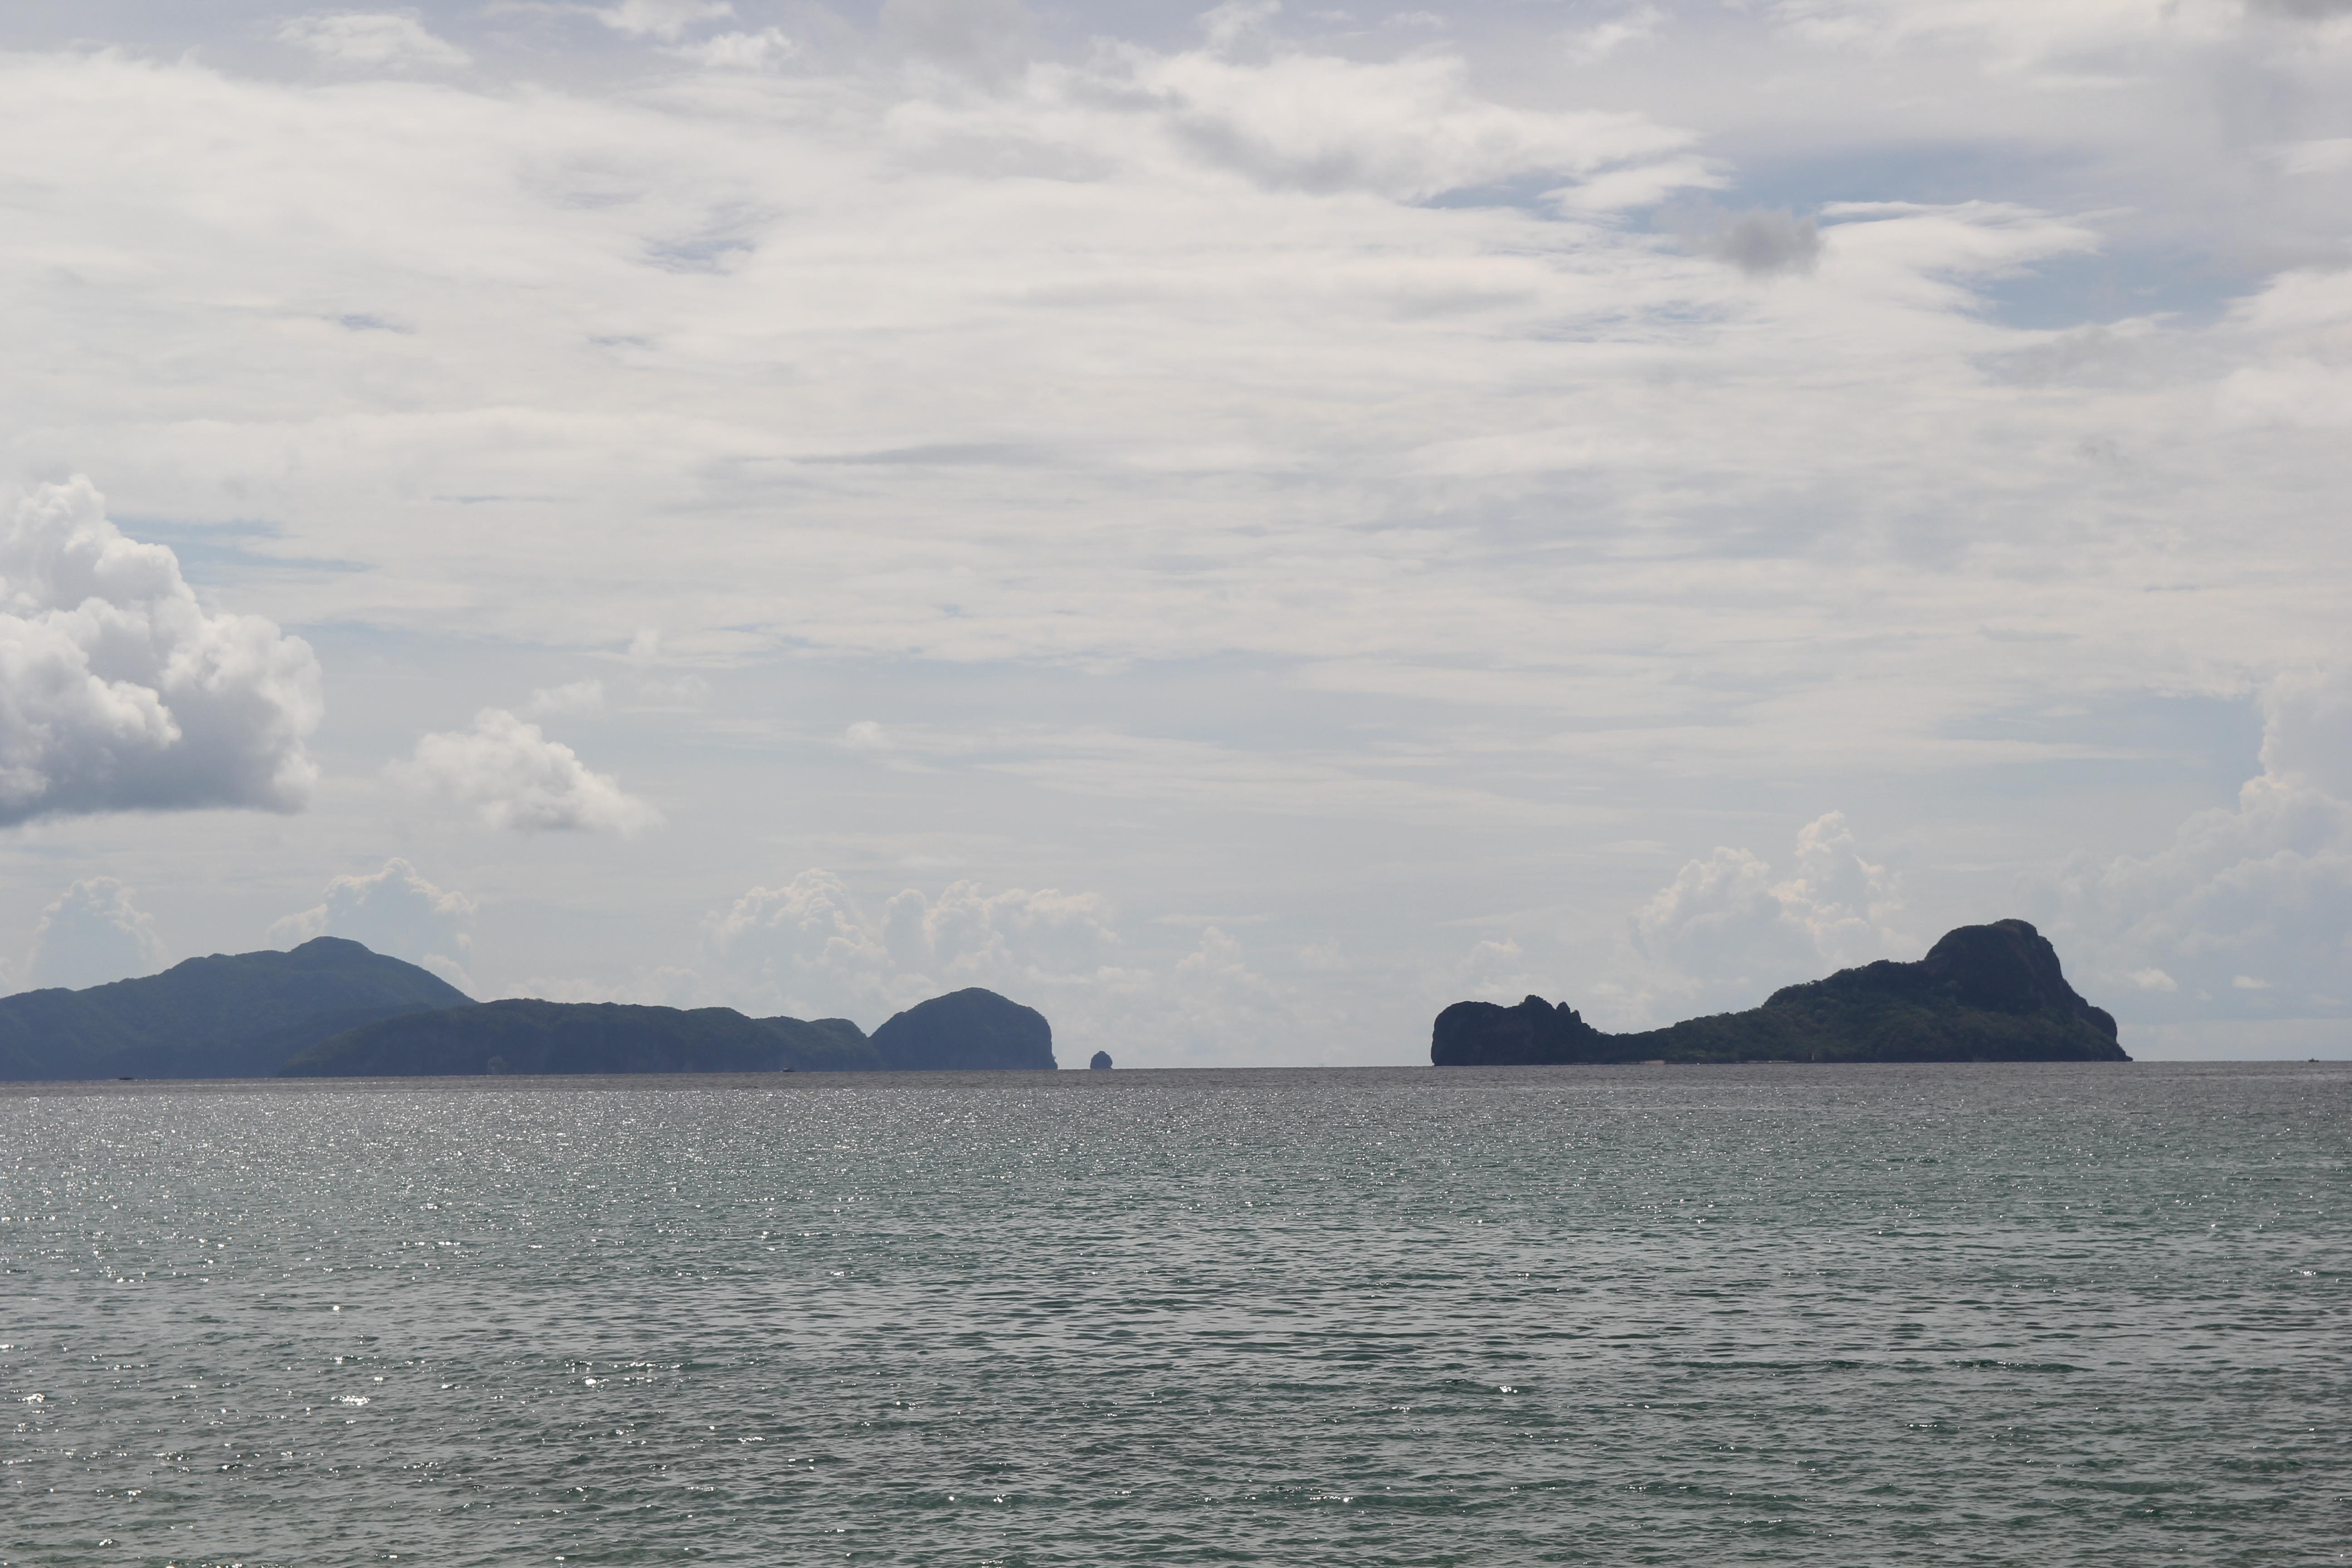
228,1015
532,1036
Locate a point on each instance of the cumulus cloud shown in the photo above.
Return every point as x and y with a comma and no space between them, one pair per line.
2247,913
1410,128
763,50
1588,45
810,945
370,39
803,947
120,691
514,778
663,19
1252,359
966,934
394,911
810,948
573,697
94,932
1727,930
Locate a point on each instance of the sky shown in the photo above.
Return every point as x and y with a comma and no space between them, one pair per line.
1237,528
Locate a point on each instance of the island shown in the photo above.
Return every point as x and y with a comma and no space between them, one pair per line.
228,1015
332,1009
1983,993
966,1030
528,1036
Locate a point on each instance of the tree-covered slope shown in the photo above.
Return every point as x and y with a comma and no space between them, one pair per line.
1988,992
228,1015
970,1029
532,1036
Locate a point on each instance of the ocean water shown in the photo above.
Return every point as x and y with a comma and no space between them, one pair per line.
1948,1315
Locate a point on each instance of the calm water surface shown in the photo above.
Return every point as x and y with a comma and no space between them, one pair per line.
2043,1315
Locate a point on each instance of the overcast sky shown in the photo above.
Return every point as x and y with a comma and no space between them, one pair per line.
1235,528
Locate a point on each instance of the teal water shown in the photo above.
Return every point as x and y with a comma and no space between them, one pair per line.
2029,1315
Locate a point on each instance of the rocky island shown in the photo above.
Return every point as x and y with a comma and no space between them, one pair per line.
1986,992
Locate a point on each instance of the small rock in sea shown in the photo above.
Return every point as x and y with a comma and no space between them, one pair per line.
1101,1062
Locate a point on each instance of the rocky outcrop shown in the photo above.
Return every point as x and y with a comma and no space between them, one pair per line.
1101,1062
1987,993
966,1030
1486,1033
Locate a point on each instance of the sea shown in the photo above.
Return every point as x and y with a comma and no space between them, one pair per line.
2029,1315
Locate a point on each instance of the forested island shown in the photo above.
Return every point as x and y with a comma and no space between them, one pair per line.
1987,993
332,1009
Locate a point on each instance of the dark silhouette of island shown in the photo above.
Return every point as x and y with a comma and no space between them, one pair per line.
229,1016
331,1008
1990,993
533,1036
1101,1062
966,1029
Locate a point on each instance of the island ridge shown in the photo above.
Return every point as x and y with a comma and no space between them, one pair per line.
1988,992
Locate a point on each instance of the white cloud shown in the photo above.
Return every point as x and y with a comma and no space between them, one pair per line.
1262,428
120,691
1015,937
573,697
513,778
2247,913
811,948
95,932
809,945
394,911
664,19
763,50
803,949
1407,128
1589,45
372,38
1726,932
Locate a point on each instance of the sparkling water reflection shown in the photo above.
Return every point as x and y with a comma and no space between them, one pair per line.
1773,1315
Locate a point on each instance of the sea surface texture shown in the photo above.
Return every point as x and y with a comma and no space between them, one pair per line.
1947,1315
